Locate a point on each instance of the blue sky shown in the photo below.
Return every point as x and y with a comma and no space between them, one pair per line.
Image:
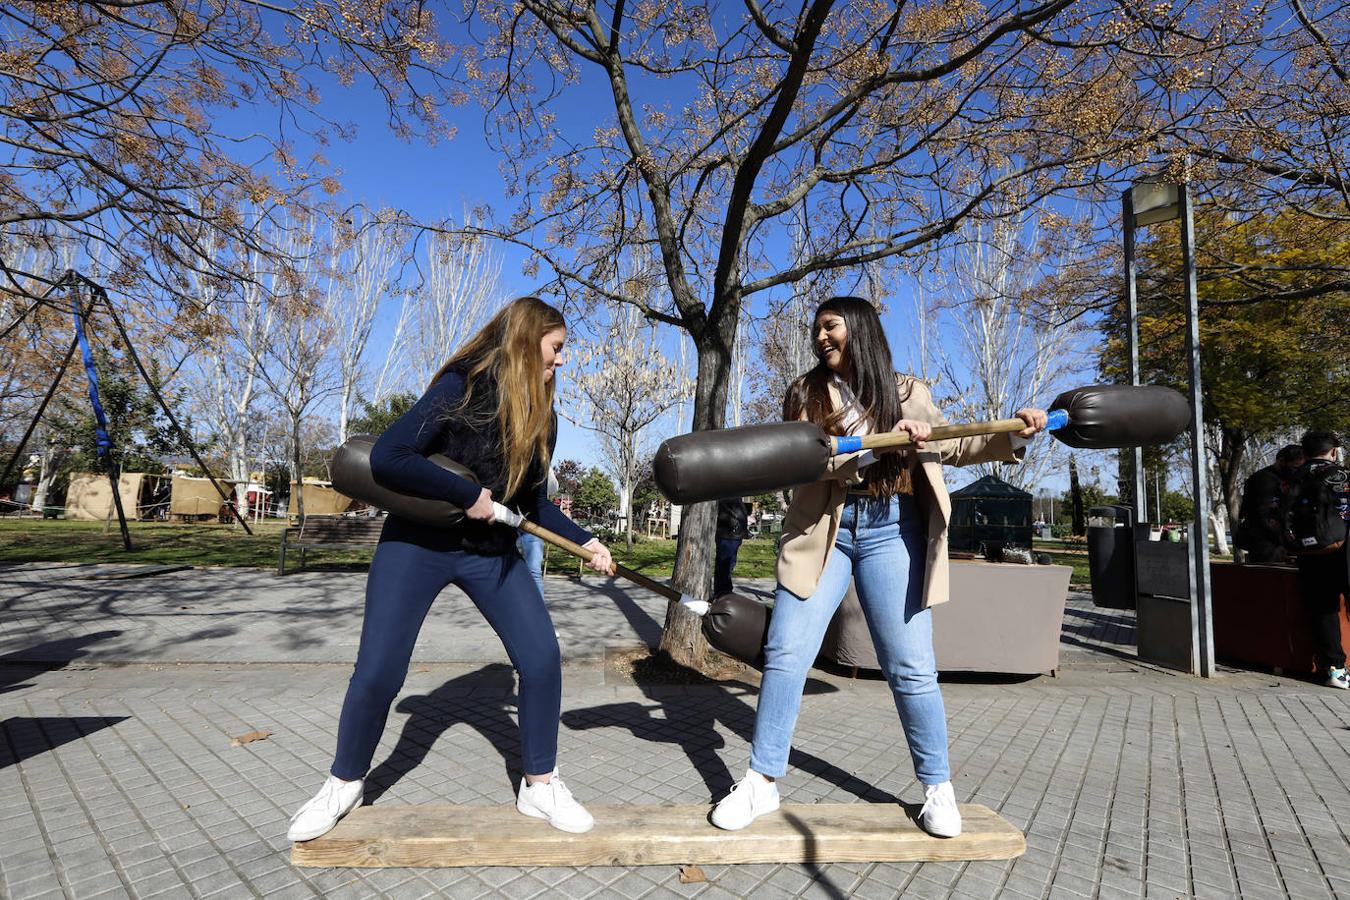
435,181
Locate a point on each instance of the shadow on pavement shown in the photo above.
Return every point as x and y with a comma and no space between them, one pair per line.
1095,624
455,702
690,718
30,736
19,665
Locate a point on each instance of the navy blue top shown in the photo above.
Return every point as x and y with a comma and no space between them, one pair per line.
399,461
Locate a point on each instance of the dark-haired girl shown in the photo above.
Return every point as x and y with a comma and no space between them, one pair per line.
880,520
491,409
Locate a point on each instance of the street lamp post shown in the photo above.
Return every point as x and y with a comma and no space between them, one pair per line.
1148,203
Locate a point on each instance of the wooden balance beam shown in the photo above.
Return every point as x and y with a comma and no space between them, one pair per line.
446,836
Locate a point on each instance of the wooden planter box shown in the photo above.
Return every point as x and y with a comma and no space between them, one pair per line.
1259,619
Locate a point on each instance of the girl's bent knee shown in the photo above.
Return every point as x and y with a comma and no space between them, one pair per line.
541,667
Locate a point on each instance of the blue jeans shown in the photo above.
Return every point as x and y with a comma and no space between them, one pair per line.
532,548
404,580
725,564
881,547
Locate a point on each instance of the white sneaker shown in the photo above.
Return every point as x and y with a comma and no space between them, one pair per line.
1337,678
939,815
753,796
333,801
552,800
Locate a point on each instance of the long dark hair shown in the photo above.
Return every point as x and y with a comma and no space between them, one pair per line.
873,383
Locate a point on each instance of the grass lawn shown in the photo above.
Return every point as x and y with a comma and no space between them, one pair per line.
52,540
49,540
656,558
1078,560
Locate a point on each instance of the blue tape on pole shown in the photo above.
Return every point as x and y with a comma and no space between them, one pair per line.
101,439
1057,419
847,444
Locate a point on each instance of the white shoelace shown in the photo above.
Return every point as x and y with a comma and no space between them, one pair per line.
562,796
936,800
325,798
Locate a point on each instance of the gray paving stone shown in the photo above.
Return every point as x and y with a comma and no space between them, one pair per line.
1130,782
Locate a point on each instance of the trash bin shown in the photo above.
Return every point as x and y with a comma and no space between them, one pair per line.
1110,541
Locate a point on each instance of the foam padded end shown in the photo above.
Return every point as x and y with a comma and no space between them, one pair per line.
351,475
740,462
1110,416
738,626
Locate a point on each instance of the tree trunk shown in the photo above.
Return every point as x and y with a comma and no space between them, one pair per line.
344,415
682,636
1232,455
295,465
1076,491
46,475
628,507
238,463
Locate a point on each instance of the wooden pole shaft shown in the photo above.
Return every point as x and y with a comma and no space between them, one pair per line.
576,549
942,433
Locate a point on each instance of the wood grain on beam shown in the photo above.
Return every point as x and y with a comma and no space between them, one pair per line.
442,835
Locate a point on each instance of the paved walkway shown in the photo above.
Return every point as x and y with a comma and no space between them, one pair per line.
119,699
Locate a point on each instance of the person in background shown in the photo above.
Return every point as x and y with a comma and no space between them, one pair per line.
531,547
1319,522
732,528
1260,533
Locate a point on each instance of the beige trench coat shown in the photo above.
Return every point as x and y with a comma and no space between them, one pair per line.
812,519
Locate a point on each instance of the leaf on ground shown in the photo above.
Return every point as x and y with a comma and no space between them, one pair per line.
249,738
692,874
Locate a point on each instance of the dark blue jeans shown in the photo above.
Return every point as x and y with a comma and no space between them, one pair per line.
404,580
725,564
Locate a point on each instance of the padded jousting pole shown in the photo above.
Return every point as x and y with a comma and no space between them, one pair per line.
351,475
754,459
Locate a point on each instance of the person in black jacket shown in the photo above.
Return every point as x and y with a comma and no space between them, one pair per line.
1324,571
491,409
731,530
1260,527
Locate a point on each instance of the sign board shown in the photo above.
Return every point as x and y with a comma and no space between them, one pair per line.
1154,202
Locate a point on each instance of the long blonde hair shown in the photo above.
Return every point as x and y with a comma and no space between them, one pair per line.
507,348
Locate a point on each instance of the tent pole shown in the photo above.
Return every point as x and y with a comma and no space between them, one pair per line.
56,381
51,391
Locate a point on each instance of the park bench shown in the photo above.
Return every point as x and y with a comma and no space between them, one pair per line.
329,532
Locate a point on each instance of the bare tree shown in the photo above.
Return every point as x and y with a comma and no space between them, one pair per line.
1276,134
786,350
225,378
295,359
1005,345
622,385
394,369
363,260
460,290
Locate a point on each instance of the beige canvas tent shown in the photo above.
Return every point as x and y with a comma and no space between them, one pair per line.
193,496
90,497
320,499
